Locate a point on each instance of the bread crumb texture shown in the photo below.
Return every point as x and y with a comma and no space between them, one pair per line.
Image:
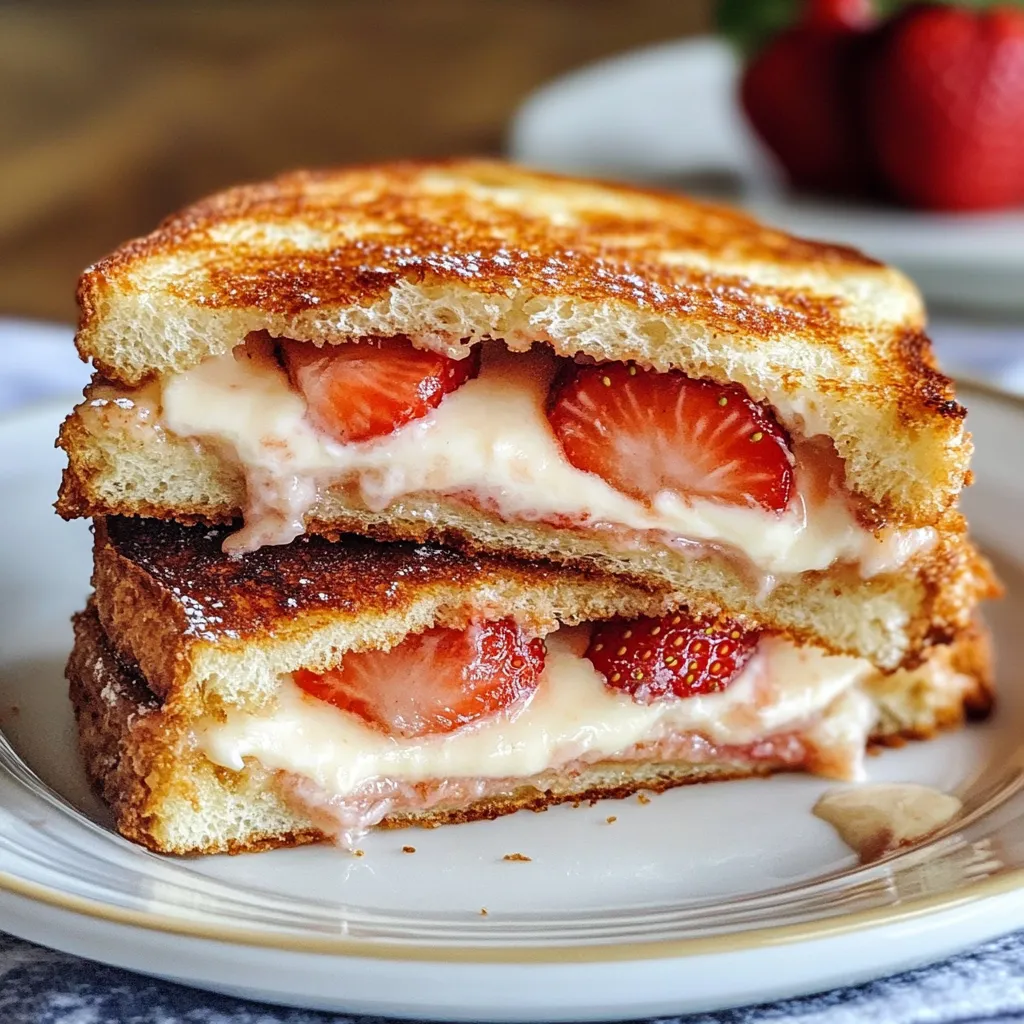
457,252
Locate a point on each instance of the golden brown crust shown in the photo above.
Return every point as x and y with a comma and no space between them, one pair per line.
166,592
221,596
133,749
408,231
134,756
118,460
320,255
955,684
136,761
953,578
973,656
936,595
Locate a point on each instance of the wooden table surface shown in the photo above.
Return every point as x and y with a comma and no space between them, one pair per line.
114,114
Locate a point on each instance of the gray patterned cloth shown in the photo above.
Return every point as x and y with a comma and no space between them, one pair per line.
40,986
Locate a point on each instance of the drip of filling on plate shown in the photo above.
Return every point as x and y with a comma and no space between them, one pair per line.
449,716
878,820
642,457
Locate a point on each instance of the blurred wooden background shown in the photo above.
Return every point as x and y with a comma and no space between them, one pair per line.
114,114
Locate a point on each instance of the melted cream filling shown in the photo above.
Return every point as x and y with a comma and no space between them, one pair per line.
491,440
572,715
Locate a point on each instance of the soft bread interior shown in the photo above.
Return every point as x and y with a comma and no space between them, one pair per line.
464,251
889,619
209,631
167,796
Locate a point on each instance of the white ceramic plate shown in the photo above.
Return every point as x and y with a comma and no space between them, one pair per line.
667,114
705,897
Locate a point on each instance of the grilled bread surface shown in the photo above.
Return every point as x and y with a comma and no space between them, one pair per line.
170,798
454,253
209,630
890,619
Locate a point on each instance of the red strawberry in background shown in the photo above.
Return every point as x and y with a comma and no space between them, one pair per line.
944,106
800,94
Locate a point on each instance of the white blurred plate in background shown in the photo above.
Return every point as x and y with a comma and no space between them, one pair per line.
667,115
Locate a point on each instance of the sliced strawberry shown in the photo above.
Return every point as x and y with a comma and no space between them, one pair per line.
646,432
436,681
371,387
820,470
651,659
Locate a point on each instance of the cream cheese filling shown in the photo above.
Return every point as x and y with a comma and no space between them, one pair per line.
489,440
571,716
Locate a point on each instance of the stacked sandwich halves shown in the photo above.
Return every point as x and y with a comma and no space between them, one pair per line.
696,483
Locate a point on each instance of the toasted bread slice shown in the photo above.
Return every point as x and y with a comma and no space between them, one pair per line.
464,251
169,797
209,631
889,620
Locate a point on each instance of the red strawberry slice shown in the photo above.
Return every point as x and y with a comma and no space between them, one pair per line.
436,681
371,387
646,432
674,656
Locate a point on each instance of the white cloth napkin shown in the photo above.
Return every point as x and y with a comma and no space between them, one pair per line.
39,986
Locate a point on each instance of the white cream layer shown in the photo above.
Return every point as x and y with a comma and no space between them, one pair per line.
571,715
490,439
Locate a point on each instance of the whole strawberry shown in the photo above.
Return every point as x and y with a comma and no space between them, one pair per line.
944,106
800,94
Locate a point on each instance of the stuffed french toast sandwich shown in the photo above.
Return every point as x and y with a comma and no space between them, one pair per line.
425,492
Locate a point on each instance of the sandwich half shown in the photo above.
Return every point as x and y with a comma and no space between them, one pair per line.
316,690
520,364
